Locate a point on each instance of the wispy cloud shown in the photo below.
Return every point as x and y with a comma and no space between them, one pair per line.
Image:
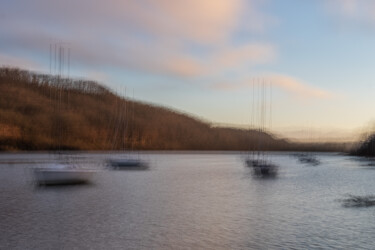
298,87
289,84
157,37
252,53
361,12
198,21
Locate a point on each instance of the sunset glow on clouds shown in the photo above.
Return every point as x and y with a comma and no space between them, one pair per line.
287,83
153,36
200,50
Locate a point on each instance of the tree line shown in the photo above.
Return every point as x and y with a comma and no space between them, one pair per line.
46,112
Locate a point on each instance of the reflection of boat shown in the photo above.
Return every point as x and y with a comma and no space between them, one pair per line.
251,162
58,174
127,164
308,159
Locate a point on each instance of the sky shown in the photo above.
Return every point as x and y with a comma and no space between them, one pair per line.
209,58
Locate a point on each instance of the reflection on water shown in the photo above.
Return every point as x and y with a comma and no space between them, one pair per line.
188,201
358,201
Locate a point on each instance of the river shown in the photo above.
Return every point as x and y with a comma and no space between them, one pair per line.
189,200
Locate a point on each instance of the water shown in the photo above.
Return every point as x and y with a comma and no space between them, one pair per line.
189,201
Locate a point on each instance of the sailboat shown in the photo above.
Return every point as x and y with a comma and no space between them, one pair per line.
61,172
125,162
258,160
308,157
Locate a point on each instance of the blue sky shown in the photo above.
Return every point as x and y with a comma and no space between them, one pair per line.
203,57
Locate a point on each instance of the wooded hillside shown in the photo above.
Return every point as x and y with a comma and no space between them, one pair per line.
43,112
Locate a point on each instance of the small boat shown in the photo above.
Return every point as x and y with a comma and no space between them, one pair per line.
122,138
127,163
59,174
308,159
258,160
262,168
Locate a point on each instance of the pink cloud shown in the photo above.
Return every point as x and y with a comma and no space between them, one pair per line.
253,53
298,87
287,83
143,35
198,21
194,20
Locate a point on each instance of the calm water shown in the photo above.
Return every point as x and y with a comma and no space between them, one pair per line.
188,201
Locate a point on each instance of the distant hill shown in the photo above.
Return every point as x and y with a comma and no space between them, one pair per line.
44,112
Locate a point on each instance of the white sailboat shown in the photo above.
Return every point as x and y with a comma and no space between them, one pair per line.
125,162
62,173
59,174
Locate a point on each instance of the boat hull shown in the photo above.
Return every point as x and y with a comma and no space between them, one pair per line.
261,168
265,170
309,160
62,176
127,164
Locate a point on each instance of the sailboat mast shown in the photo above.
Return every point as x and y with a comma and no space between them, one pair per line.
259,118
263,115
252,120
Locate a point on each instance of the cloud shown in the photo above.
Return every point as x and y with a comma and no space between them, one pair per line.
360,12
156,37
287,83
198,21
298,87
253,53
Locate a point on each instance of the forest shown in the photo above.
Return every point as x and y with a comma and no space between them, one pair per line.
47,112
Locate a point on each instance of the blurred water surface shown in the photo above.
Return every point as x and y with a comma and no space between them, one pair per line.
188,201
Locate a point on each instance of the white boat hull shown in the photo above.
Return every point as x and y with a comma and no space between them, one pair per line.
52,176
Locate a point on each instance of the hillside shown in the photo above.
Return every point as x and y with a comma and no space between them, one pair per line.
43,112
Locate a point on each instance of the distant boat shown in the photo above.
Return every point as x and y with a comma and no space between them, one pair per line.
258,160
59,174
262,168
126,162
308,159
131,164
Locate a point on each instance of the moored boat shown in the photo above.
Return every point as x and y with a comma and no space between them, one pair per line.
59,174
127,163
308,159
258,160
262,168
